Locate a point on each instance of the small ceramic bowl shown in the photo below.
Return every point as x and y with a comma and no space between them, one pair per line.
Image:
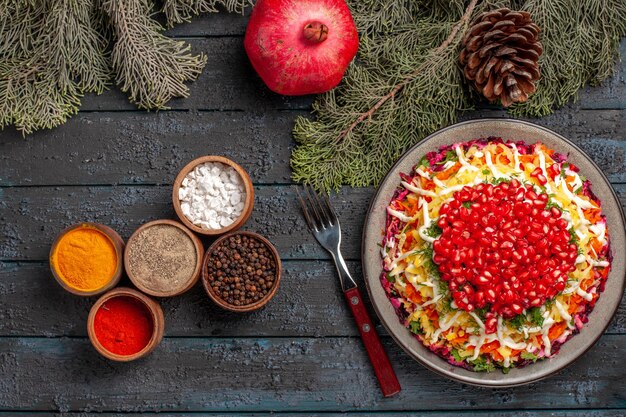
193,279
156,314
249,307
118,244
248,204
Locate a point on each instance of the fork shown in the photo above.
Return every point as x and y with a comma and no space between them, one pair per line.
324,224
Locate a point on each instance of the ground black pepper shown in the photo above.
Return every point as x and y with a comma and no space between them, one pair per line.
242,270
162,258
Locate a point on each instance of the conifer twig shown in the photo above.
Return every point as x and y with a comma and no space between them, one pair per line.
398,87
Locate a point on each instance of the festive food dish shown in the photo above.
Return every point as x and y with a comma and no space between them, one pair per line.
494,252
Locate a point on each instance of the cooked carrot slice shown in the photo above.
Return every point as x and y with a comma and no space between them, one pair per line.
444,175
556,330
497,355
412,293
490,347
596,245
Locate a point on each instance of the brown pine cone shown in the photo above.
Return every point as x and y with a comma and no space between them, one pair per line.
501,54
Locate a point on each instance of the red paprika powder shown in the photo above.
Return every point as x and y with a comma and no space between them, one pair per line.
123,325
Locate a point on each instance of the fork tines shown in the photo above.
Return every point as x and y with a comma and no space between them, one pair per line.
318,212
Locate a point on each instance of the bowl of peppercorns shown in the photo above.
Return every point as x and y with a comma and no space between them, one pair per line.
241,271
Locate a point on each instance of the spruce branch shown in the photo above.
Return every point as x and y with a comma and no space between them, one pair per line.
411,77
81,55
44,74
390,99
179,11
54,51
149,65
406,82
581,42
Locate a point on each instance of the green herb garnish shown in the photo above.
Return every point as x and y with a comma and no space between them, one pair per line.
416,327
390,277
457,357
496,181
518,321
443,287
467,204
482,365
480,312
535,316
551,204
434,230
528,356
450,156
446,305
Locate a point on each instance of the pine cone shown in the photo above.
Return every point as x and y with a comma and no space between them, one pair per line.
501,54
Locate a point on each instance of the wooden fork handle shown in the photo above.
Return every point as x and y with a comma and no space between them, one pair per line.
387,379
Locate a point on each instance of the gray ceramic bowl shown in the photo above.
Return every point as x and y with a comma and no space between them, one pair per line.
606,305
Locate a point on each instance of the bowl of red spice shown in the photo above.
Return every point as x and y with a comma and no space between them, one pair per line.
86,259
125,325
241,271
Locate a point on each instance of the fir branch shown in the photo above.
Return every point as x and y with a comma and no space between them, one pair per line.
149,65
383,16
581,42
81,55
44,74
18,20
411,77
406,82
31,97
179,11
363,126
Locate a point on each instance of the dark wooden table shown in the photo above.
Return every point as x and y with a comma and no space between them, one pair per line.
301,354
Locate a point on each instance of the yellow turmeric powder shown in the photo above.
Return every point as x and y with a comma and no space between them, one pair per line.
85,258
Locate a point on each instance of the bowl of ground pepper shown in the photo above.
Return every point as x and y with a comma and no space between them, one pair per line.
125,325
241,271
86,259
163,258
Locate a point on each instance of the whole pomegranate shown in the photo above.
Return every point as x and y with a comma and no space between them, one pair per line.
301,46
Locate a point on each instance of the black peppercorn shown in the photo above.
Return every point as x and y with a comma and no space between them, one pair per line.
242,270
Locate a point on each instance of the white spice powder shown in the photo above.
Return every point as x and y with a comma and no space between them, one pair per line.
212,195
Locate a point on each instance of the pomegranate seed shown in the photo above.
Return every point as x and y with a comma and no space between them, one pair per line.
516,308
504,250
491,325
542,179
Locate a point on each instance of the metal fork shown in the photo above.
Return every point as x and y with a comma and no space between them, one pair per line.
324,224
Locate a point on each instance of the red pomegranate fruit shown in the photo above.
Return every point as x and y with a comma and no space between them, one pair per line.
301,47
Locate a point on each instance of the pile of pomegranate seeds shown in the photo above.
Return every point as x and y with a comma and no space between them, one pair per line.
501,247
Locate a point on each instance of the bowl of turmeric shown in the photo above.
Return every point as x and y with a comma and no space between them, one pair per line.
86,259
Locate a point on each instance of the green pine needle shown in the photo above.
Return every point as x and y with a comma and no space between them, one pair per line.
180,11
54,51
148,64
400,43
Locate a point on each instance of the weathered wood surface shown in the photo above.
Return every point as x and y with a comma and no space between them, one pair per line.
278,374
147,148
300,354
307,304
426,413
